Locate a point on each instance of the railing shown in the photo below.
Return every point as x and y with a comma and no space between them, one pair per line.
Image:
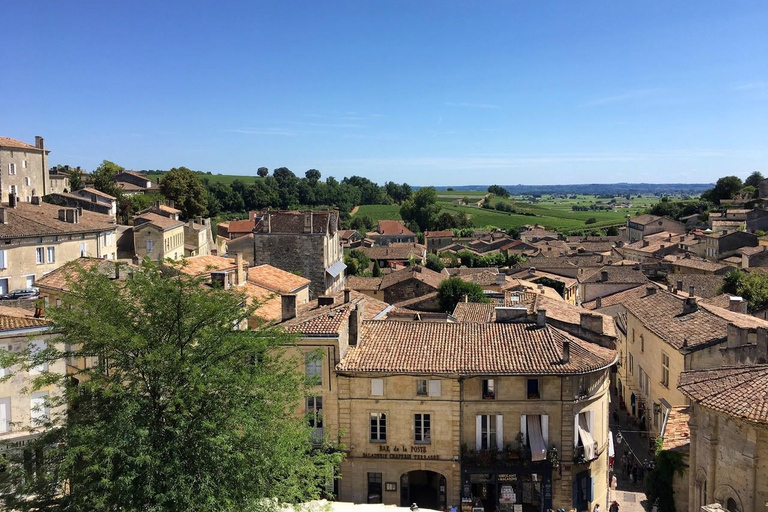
579,457
506,457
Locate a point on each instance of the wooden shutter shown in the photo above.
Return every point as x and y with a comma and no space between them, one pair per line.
545,429
435,388
500,431
478,432
5,414
524,428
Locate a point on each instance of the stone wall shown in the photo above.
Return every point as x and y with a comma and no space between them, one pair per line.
31,177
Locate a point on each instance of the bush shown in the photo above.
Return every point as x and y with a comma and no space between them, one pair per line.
590,220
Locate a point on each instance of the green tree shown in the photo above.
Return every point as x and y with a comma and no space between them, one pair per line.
659,486
498,190
179,412
754,179
612,231
452,291
312,176
376,269
357,262
262,172
725,188
103,178
75,179
434,263
421,210
751,287
184,188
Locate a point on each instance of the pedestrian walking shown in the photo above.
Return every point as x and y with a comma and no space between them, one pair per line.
614,507
597,508
641,472
616,418
634,473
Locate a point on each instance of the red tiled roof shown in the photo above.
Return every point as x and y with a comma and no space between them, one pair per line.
471,349
154,219
397,251
621,297
363,283
241,226
315,320
393,227
423,274
28,219
677,433
439,234
205,264
12,319
276,279
60,279
741,392
8,142
91,190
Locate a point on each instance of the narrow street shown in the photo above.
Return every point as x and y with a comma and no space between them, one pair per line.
630,495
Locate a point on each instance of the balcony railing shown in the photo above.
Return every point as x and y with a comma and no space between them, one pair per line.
509,456
579,457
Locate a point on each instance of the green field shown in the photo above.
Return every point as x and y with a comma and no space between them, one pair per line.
553,213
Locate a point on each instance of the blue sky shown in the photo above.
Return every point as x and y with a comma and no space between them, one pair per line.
424,91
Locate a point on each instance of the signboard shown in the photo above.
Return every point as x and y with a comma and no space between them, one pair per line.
507,494
401,452
390,486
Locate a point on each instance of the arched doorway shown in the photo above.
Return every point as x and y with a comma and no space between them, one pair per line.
425,488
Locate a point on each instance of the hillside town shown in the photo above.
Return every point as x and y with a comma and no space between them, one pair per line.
558,379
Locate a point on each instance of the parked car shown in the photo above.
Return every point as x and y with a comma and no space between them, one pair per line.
27,293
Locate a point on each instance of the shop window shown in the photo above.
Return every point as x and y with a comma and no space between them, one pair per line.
533,389
489,389
374,487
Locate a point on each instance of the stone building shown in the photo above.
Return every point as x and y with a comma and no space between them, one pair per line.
436,240
609,280
429,418
158,237
23,169
392,231
728,459
86,198
643,225
297,241
39,237
722,244
132,182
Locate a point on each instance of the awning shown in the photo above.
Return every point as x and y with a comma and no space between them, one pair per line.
536,439
336,269
586,438
610,444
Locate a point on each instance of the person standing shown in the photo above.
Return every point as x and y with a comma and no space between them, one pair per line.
614,507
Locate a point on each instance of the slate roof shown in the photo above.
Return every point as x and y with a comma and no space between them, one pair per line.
7,142
741,392
27,220
393,227
276,279
470,349
662,314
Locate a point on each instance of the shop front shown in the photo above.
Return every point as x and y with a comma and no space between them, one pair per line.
510,488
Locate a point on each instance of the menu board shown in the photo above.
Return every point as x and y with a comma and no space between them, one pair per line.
507,494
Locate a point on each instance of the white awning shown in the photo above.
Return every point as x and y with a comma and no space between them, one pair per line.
336,269
611,452
586,438
536,439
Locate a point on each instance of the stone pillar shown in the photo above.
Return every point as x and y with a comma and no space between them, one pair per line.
692,460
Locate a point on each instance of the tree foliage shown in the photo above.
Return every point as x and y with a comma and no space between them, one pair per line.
186,190
262,172
178,412
434,263
659,483
725,188
357,262
452,291
754,179
498,190
421,210
751,287
103,178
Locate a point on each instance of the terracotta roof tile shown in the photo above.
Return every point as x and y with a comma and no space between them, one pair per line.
621,297
704,285
241,226
8,142
99,193
616,275
59,279
28,219
363,283
677,433
315,320
276,279
470,349
154,219
393,227
397,251
417,272
699,264
201,265
741,392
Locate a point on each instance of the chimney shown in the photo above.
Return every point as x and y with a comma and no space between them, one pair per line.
511,314
220,279
39,142
347,294
691,291
241,275
356,323
737,304
465,298
39,312
288,306
3,216
199,220
650,290
680,285
604,276
690,305
598,302
171,203
591,322
36,200
325,300
541,317
191,224
566,352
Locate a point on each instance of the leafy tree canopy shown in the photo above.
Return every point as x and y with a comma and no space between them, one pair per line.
421,210
754,179
452,291
179,412
434,263
725,188
498,190
262,172
103,178
185,189
751,287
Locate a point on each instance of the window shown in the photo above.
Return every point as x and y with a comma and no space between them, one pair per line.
533,389
27,181
377,387
313,364
421,387
11,168
39,256
489,431
3,259
421,429
535,431
5,414
633,335
4,371
150,245
37,346
38,408
378,427
665,369
374,488
30,280
82,250
642,343
489,389
584,435
631,365
51,254
435,387
315,417
4,286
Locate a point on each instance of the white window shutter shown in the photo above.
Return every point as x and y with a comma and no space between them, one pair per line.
2,259
377,387
478,432
524,427
434,388
590,422
500,432
576,430
5,414
545,429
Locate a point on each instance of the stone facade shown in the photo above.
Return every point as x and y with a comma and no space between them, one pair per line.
23,169
158,243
